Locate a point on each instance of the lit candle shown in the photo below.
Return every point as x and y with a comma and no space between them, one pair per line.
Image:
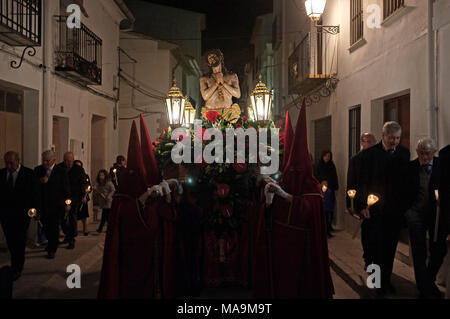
68,202
371,200
88,190
324,188
32,213
438,213
115,175
352,193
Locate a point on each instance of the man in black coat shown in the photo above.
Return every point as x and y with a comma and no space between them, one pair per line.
444,191
382,173
77,180
367,141
421,181
118,170
17,196
54,191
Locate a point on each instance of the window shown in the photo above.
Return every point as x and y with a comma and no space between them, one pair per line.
356,21
390,6
10,102
354,131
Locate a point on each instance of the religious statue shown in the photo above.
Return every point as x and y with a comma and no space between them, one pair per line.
218,87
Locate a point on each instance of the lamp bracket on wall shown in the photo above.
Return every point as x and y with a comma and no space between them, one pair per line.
331,29
31,52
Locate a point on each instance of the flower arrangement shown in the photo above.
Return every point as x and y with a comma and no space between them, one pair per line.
230,185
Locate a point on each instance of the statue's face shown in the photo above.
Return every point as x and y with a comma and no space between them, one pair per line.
213,60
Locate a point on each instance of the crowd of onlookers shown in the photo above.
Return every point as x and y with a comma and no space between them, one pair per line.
56,196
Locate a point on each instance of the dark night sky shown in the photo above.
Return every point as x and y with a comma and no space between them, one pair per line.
229,25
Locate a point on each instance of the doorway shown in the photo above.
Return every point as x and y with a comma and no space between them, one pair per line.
398,109
60,137
322,137
11,122
98,145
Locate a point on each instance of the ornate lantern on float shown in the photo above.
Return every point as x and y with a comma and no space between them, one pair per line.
175,103
189,114
261,99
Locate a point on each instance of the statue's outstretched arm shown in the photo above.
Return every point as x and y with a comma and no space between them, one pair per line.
234,88
207,92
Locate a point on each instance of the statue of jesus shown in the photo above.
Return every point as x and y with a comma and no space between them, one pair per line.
219,86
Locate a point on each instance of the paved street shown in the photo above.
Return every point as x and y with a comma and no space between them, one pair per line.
46,279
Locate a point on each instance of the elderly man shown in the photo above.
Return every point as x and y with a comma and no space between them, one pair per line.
367,141
423,180
77,182
54,191
383,167
17,196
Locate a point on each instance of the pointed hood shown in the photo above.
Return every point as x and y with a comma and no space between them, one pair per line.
288,137
298,177
134,183
148,156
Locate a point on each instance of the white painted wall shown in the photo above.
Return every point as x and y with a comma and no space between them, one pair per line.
394,60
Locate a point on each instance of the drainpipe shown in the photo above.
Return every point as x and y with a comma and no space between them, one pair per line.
45,107
432,124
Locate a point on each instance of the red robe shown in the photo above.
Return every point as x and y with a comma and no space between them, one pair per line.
128,269
292,261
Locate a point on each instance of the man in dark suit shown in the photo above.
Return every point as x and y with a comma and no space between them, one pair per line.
382,173
77,181
422,181
17,196
367,141
118,170
444,193
54,191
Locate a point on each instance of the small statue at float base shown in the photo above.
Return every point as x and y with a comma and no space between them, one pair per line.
218,86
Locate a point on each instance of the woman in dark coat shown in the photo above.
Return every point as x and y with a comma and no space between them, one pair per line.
83,214
325,170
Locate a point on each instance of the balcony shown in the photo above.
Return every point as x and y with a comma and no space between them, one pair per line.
78,53
313,64
20,22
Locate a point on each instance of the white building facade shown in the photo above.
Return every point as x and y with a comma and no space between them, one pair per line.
383,64
64,97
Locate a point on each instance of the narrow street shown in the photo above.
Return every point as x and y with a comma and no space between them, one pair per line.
46,279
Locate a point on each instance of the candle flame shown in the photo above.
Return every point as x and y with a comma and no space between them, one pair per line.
372,200
68,202
324,188
351,193
32,212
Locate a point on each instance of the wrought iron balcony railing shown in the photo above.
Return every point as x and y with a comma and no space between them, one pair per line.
313,62
78,53
20,22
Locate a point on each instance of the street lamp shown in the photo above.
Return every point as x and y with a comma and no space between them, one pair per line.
314,10
189,114
175,103
261,99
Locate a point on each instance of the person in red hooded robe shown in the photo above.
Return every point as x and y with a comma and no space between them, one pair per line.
128,260
291,258
163,216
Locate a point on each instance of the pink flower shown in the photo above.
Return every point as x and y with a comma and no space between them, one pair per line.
244,119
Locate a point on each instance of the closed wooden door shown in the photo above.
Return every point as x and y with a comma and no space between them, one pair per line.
398,109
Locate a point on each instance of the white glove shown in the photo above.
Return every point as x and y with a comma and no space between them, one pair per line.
278,190
155,189
165,187
269,195
179,187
